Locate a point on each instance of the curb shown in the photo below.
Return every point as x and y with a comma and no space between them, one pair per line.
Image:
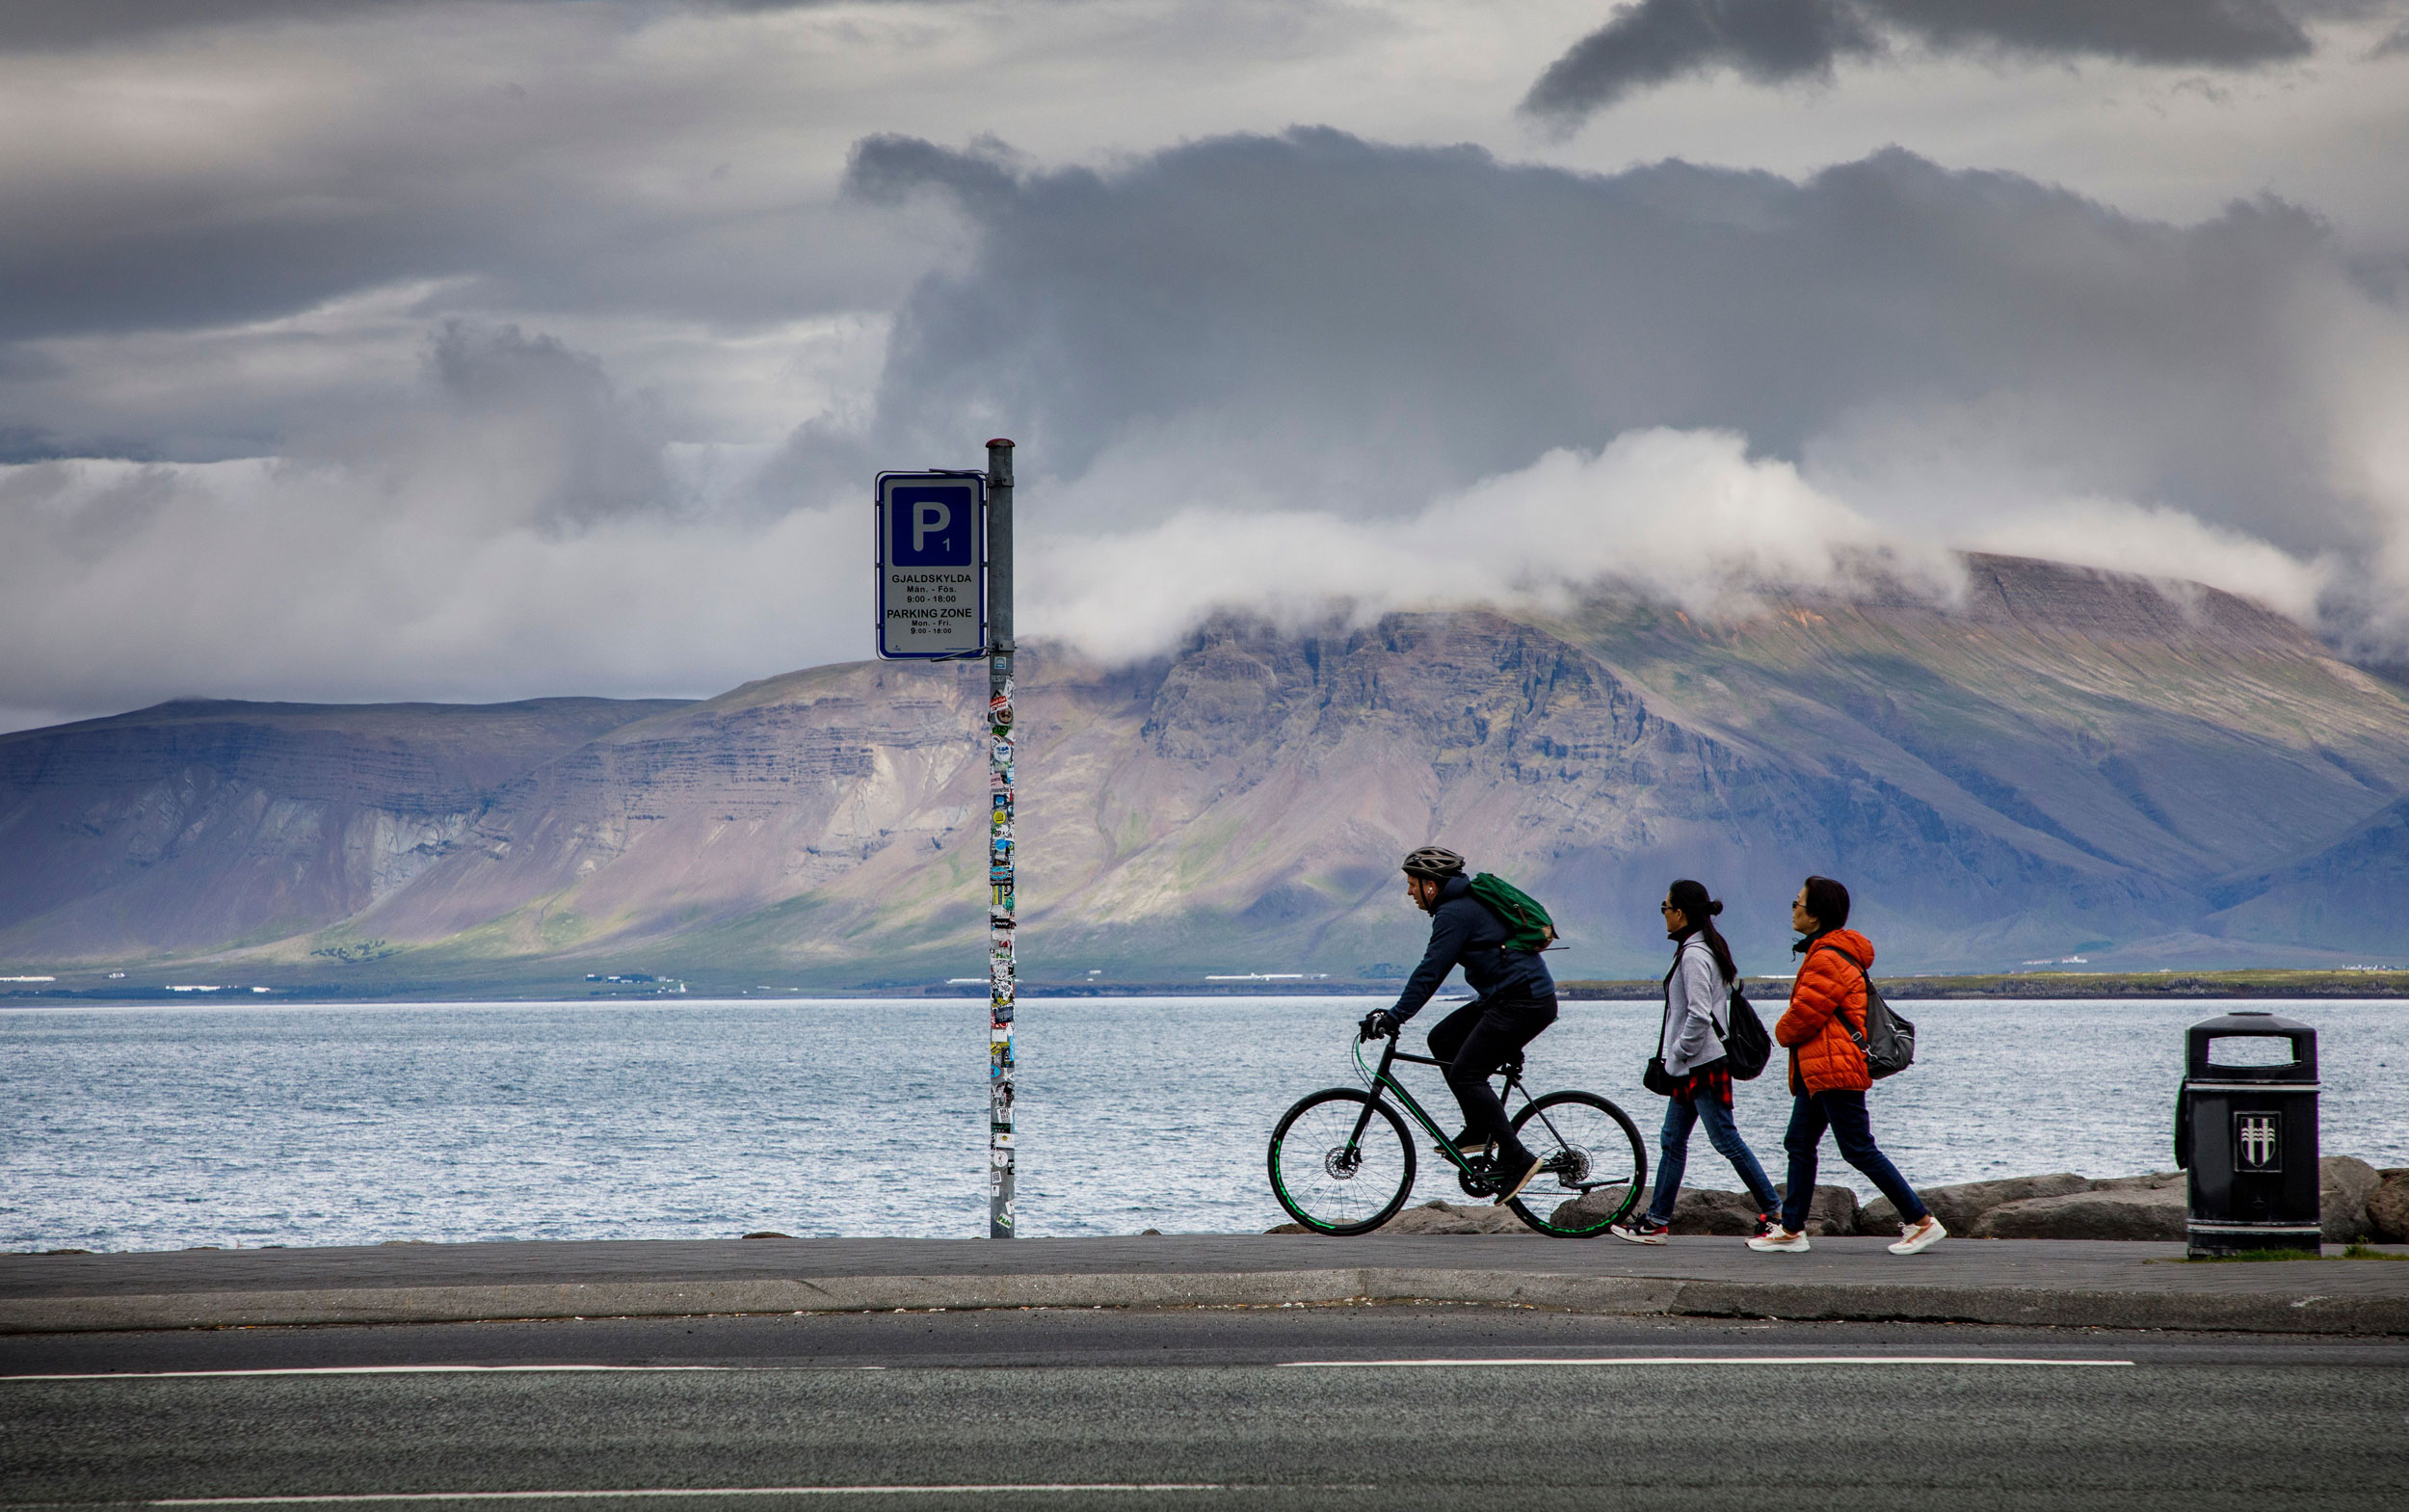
2030,1307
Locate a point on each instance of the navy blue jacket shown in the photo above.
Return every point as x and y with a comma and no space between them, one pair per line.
1463,932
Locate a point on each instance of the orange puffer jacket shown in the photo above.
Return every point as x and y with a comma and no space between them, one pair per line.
1823,1059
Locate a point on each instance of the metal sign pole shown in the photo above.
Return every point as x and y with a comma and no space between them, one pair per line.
1002,859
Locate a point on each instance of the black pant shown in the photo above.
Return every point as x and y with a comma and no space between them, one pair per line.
1474,1040
1844,1114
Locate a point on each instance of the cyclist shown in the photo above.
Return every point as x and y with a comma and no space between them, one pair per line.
1518,1000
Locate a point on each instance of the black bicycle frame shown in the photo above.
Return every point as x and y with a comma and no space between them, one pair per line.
1381,1078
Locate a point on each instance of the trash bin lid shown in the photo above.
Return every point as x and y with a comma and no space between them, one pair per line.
2251,1023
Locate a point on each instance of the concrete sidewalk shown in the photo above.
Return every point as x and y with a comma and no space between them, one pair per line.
2055,1282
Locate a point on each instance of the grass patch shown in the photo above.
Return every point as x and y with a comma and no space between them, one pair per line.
2355,1251
2252,1258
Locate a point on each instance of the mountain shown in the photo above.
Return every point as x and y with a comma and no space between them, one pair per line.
203,824
2061,762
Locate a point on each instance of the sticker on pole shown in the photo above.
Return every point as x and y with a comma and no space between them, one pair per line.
932,565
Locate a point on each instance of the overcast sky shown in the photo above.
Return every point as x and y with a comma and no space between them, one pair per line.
470,351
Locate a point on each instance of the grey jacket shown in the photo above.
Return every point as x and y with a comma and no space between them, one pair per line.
1697,1005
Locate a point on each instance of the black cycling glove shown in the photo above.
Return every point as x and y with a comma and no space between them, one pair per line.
1379,1024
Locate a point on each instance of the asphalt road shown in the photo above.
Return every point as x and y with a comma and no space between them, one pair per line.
1212,1401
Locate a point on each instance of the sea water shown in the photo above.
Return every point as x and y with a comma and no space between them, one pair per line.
149,1128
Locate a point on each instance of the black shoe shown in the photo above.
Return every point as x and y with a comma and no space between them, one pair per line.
1518,1178
1641,1230
1468,1145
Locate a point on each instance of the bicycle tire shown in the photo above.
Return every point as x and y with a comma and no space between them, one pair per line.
1609,1154
1317,1183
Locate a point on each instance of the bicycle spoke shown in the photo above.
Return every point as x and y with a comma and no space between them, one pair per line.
1341,1163
1593,1168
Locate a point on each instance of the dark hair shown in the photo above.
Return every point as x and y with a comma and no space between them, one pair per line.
1700,910
1827,901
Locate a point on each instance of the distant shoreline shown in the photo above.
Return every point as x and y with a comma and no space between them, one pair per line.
2101,985
2106,986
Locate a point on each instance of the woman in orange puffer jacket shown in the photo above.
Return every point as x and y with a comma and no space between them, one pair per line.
1825,1032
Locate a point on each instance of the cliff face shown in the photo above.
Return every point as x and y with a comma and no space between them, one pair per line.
197,824
2064,762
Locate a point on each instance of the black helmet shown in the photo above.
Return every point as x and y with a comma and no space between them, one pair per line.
1433,861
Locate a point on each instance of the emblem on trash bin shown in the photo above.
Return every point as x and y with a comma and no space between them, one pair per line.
2257,1141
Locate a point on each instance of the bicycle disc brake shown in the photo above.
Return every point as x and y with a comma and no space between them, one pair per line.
1342,1162
1571,1165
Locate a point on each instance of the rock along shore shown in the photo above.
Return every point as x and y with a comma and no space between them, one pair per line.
2359,1202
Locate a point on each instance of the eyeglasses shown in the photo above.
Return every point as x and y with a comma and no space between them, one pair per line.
1667,908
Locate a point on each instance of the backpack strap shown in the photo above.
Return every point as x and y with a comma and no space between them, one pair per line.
1839,1011
1722,1026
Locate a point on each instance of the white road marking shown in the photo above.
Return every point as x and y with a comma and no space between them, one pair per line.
696,1490
1644,1360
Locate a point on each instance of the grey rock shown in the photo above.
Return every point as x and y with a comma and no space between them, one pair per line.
1696,1211
1444,1217
2147,1182
1959,1208
1588,1208
2345,1183
1700,1211
2110,1213
1832,1209
2388,1207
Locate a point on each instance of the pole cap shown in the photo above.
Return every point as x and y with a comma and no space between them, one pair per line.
1002,440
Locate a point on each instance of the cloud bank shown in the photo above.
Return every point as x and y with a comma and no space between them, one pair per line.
1683,517
1313,322
1279,369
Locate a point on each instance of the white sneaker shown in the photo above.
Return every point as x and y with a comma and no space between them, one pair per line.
1921,1237
1780,1239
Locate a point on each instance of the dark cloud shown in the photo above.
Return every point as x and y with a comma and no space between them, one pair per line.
32,25
50,25
1313,320
444,206
1775,42
1653,41
2210,33
596,451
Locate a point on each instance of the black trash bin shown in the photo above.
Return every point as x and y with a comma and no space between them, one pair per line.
2246,1128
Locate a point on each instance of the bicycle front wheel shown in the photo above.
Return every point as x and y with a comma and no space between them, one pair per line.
1592,1164
1341,1163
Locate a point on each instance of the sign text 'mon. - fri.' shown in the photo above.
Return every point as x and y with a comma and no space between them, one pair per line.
932,561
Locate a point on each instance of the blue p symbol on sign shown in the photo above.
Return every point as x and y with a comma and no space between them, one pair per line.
931,526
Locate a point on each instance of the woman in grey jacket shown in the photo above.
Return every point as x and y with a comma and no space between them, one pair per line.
1697,1016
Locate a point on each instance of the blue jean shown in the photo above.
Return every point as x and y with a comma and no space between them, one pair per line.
1844,1114
1672,1155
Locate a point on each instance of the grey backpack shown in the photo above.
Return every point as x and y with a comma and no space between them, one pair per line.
1888,1041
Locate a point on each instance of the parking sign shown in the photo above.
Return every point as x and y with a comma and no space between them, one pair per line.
932,565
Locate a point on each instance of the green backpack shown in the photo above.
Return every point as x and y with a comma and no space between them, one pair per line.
1527,925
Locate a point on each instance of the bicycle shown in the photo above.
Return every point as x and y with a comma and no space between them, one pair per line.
1335,1172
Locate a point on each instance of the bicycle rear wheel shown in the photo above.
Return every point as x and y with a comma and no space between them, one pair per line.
1593,1165
1340,1163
